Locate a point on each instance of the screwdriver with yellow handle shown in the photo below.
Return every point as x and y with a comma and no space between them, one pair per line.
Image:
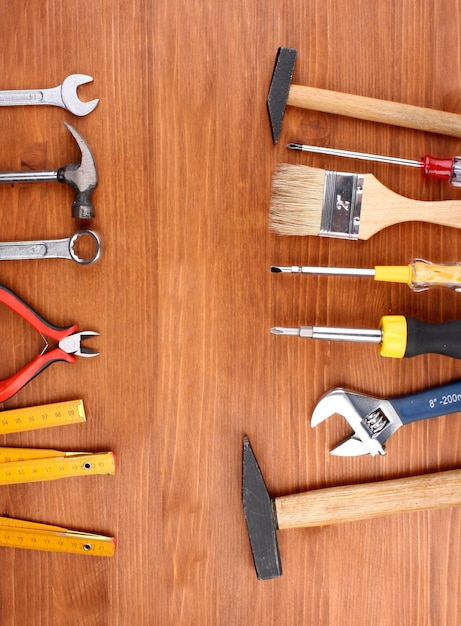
397,336
418,275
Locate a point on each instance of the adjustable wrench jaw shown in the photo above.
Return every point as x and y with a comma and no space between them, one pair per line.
373,421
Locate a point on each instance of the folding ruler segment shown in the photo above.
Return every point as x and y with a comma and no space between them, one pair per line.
16,533
26,465
44,416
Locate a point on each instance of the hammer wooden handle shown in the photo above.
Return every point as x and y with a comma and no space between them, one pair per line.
336,505
374,110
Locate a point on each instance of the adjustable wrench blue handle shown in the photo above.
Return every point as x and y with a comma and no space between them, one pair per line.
433,402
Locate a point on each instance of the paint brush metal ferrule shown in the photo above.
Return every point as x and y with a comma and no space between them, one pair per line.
342,205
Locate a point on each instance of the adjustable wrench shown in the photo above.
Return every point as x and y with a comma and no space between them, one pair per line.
53,248
64,96
374,420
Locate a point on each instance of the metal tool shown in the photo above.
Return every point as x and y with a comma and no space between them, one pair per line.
53,248
82,177
69,344
374,420
64,96
397,336
419,275
333,505
28,465
283,93
15,533
433,167
43,416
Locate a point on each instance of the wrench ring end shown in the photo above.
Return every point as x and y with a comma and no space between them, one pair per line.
84,233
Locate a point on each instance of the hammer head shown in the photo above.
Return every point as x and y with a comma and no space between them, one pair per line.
82,177
260,517
280,87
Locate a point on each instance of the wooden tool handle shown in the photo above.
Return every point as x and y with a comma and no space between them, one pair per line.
336,505
382,207
374,110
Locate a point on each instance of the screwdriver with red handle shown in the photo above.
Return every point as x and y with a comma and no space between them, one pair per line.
433,167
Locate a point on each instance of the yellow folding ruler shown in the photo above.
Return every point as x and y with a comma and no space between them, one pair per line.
57,414
16,533
28,465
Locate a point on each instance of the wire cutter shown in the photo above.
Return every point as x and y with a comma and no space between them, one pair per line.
69,344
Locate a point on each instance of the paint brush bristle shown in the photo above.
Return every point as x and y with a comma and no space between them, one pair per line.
296,200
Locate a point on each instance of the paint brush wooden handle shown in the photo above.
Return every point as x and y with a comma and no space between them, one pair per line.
382,207
375,110
351,503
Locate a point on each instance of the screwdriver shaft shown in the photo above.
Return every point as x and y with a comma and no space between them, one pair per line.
356,155
327,271
331,333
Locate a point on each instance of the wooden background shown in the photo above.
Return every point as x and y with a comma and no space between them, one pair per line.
184,300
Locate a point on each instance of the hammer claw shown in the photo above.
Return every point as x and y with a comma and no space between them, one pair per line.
83,177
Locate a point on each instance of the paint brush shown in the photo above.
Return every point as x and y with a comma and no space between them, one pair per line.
311,201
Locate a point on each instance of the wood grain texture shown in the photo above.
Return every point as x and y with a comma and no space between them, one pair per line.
353,503
375,110
184,300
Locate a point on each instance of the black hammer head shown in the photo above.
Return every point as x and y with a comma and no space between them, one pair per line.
260,517
280,87
82,177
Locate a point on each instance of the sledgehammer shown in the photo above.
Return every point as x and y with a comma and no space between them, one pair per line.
282,93
333,505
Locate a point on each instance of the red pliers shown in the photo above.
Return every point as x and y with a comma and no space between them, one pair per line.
69,344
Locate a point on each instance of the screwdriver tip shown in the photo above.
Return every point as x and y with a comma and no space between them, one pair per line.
275,269
294,146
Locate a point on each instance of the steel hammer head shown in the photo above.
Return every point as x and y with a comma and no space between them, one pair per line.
280,87
82,177
260,517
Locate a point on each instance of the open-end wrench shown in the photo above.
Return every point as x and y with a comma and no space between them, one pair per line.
64,96
54,248
374,420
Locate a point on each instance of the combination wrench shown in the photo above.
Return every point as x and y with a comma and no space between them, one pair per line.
64,96
55,248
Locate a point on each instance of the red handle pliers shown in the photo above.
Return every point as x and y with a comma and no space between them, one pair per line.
69,344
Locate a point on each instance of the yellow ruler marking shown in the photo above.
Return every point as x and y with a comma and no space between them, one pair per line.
19,523
44,416
7,455
63,466
36,536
